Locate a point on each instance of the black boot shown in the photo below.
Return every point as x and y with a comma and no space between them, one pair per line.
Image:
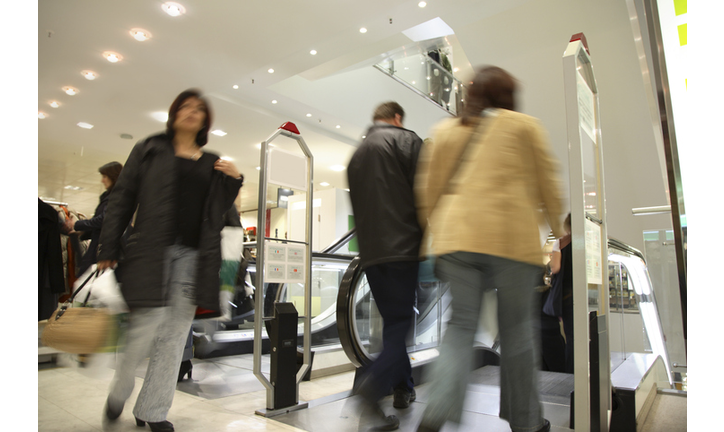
185,368
164,426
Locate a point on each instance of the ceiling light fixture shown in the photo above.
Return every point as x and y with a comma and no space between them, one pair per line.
140,34
112,57
422,4
313,52
270,70
218,132
338,126
274,101
89,75
258,168
41,115
160,116
54,104
85,125
71,91
324,184
173,9
235,87
309,114
363,30
337,168
226,158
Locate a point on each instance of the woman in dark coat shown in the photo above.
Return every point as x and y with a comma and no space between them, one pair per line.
92,227
177,195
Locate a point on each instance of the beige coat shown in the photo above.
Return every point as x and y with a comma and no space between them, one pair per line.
493,201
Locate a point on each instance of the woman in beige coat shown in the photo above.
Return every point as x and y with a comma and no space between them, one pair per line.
483,187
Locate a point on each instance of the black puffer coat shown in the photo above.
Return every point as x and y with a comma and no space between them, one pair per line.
381,177
92,229
147,185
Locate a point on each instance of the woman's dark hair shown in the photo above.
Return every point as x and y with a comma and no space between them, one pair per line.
111,170
203,136
492,87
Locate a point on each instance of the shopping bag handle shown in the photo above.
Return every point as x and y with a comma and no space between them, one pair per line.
66,305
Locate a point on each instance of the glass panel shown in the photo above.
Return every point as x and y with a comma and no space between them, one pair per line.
661,261
427,77
642,331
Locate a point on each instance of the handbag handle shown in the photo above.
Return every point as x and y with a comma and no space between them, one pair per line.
64,306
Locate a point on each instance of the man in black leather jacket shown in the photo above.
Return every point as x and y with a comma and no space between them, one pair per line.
381,177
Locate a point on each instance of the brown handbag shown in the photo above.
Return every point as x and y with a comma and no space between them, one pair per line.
80,329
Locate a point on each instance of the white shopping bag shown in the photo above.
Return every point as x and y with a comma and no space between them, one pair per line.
104,290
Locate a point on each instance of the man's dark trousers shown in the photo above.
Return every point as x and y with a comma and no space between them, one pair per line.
393,286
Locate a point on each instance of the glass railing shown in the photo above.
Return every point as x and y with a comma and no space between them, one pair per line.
426,77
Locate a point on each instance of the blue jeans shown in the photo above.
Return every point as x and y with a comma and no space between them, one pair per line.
160,334
393,286
470,275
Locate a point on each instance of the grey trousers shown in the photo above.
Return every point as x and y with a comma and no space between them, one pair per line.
470,275
160,334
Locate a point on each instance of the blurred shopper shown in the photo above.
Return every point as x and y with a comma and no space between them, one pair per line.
381,177
480,186
170,265
91,228
562,269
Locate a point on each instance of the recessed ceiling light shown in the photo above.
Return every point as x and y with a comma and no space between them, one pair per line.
140,34
274,101
309,114
270,70
422,4
173,9
85,125
41,115
313,52
218,132
456,69
235,87
258,168
112,56
363,30
75,188
226,158
89,75
364,136
71,91
337,168
54,104
324,184
338,126
160,116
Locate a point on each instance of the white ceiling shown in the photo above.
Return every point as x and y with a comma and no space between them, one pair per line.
221,43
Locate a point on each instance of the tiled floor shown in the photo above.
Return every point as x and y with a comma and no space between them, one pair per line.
72,398
224,396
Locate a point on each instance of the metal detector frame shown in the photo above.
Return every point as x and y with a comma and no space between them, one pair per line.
576,59
289,130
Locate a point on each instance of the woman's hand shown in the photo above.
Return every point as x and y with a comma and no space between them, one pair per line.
102,265
227,168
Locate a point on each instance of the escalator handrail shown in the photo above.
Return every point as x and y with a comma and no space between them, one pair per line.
337,244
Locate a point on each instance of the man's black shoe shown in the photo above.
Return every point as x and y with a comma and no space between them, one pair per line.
403,398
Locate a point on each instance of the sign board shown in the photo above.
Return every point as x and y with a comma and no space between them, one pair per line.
284,263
